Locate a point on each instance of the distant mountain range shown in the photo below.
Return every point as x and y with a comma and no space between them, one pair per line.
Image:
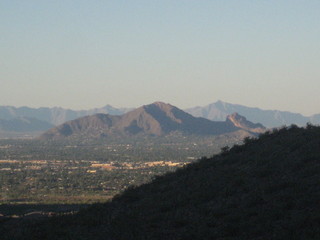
270,118
156,119
56,115
217,111
24,124
23,127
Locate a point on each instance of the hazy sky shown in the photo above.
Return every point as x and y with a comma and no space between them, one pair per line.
85,54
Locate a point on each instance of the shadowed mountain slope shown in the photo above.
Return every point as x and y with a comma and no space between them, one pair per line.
267,188
154,119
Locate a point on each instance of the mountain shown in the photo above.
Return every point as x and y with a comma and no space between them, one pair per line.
217,111
267,188
270,118
22,126
55,115
155,119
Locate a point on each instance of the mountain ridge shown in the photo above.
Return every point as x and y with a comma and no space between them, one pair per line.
154,119
217,111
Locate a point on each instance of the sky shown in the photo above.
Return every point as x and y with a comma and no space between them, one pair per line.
86,54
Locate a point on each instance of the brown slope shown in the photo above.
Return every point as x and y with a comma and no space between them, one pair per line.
94,125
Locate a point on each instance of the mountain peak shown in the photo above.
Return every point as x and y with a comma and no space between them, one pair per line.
161,105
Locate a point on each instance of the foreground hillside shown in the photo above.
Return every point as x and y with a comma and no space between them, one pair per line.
267,188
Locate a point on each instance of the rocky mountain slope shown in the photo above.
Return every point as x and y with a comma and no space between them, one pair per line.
155,119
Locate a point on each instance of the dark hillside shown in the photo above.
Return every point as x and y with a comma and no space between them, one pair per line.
267,188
